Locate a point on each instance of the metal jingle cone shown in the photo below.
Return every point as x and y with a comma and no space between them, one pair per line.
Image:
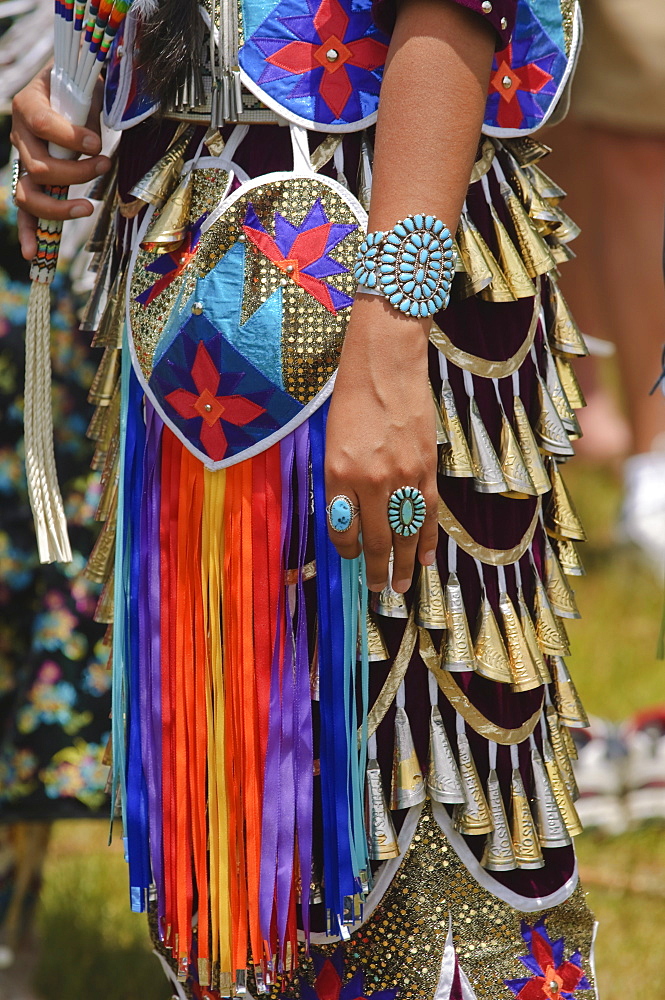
408,784
457,652
568,703
525,675
544,185
491,656
561,252
443,778
542,212
560,752
559,398
569,557
527,150
103,230
168,231
473,817
551,432
569,382
550,632
529,449
100,561
477,273
105,604
381,836
487,474
512,265
525,839
112,322
534,251
498,855
155,187
430,611
550,826
561,518
99,296
513,465
566,229
531,639
498,289
563,332
455,459
561,793
558,589
376,644
388,603
457,257
569,742
106,377
441,436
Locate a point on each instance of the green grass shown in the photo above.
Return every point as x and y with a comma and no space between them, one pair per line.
94,947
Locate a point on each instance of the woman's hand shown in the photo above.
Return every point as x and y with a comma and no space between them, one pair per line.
34,125
382,435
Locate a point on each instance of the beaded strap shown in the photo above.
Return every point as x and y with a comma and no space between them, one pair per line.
412,265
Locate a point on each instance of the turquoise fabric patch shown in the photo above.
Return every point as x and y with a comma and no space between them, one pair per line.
254,13
549,14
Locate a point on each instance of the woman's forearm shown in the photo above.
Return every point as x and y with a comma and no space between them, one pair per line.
431,111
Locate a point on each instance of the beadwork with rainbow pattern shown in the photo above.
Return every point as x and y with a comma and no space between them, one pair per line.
412,265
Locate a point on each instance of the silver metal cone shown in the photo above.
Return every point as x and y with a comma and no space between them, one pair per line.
499,855
443,779
408,785
551,828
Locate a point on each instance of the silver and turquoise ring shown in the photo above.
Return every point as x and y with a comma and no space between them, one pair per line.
406,511
341,512
18,171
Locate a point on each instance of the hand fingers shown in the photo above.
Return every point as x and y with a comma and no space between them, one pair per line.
27,225
428,536
377,538
32,114
346,542
33,200
45,169
404,550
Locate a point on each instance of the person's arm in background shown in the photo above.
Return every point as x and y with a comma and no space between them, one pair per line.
381,432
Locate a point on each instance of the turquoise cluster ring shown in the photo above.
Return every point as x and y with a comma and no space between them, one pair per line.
406,511
412,266
341,512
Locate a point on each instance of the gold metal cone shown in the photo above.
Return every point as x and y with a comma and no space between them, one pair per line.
551,828
168,231
569,742
525,676
569,557
529,449
487,474
568,703
543,184
498,855
100,563
513,465
566,229
560,751
512,265
108,496
550,631
560,251
430,609
214,141
104,610
534,251
551,432
527,150
473,817
525,839
477,273
96,425
498,290
98,298
457,257
491,656
558,589
559,398
441,436
109,331
543,213
443,779
106,377
388,603
376,644
108,431
457,652
569,382
561,518
455,459
155,187
531,640
563,332
381,836
561,792
408,785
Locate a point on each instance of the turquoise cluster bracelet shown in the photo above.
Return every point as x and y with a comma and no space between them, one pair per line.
412,265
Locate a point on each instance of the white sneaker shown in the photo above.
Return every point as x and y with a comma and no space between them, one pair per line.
644,738
642,520
598,772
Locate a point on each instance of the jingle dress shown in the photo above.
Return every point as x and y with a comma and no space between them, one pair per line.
328,793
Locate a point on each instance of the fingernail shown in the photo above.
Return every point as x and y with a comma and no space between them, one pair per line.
78,211
429,558
90,144
102,167
401,586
